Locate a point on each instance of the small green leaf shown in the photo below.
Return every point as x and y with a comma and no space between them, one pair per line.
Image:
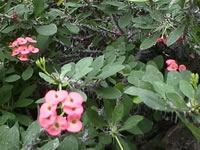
148,43
12,78
94,118
31,134
175,35
118,113
65,69
69,143
152,74
83,67
150,98
110,70
108,93
187,89
177,101
47,30
72,28
23,102
51,145
45,77
38,7
131,122
27,74
124,20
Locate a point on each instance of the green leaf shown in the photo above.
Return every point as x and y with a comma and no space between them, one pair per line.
94,118
5,93
131,122
173,78
108,93
152,74
124,20
177,101
150,98
51,145
23,102
47,30
72,28
97,64
175,35
65,69
27,74
9,138
83,67
148,43
23,119
187,89
27,91
110,70
46,78
69,143
157,16
38,7
12,78
31,134
142,127
118,113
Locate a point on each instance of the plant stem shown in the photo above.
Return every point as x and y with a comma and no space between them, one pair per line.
120,145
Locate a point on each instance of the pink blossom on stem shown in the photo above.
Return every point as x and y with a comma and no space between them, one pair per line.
14,44
24,50
73,100
74,124
172,67
71,110
32,49
57,127
47,110
15,52
21,41
30,40
182,68
23,57
170,61
46,122
55,97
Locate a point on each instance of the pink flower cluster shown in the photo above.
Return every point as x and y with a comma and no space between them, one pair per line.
68,105
22,47
173,66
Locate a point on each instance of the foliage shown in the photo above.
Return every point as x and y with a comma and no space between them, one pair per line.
90,47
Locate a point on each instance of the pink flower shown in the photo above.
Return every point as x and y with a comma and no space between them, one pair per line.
21,41
164,40
74,124
172,67
15,52
57,127
14,44
30,40
23,50
32,49
71,110
47,110
170,61
55,97
182,67
46,122
23,57
73,100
